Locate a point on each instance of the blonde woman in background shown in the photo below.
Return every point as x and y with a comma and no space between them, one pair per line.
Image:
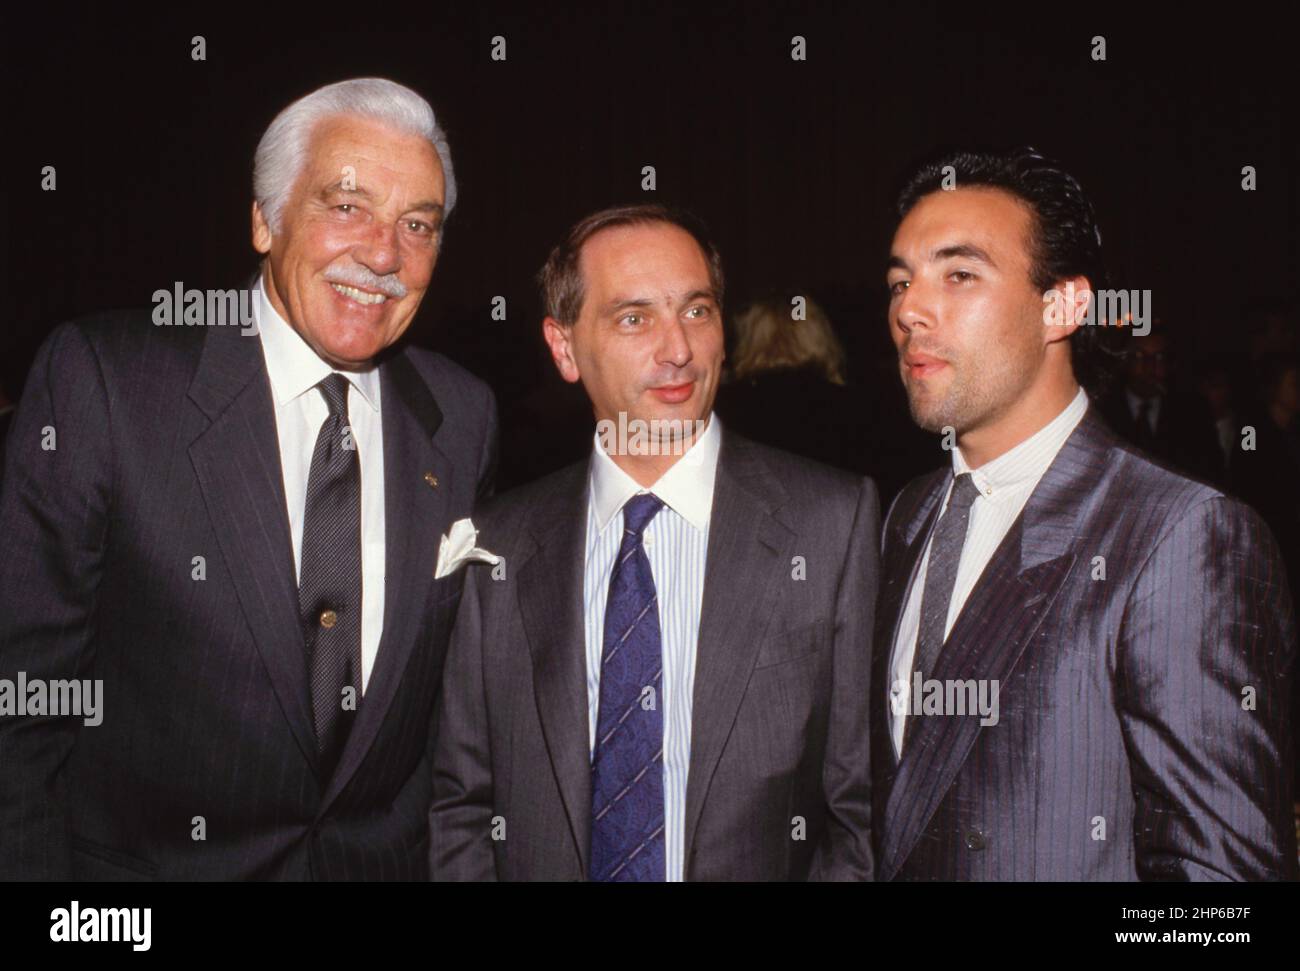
787,385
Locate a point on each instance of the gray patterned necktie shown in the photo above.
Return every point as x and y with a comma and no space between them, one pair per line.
329,585
940,578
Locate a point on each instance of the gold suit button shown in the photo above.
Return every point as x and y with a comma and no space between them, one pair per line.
328,618
432,479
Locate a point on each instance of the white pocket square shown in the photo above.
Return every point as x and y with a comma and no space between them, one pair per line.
457,548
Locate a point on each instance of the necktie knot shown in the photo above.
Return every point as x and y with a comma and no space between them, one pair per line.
964,492
639,510
335,391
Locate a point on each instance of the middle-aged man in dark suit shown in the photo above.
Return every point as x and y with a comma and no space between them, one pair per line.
1131,628
234,531
666,676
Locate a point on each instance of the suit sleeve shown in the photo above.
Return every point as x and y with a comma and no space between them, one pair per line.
845,851
54,512
1203,673
460,817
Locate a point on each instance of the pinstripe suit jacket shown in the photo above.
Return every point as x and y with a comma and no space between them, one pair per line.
1143,730
779,715
167,450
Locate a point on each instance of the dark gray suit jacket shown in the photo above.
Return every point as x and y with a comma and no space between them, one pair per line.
779,726
167,450
1123,750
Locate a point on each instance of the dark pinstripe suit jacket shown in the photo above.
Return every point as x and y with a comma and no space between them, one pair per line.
167,450
1123,749
779,715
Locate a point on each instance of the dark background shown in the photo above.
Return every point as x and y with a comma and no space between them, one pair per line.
792,164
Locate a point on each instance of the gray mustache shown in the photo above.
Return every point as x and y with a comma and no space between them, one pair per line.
359,276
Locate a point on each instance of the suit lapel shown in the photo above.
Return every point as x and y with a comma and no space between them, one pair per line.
999,620
899,570
550,587
237,462
748,550
415,517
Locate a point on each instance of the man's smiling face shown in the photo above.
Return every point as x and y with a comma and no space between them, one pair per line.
358,239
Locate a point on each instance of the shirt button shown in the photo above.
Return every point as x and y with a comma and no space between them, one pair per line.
328,619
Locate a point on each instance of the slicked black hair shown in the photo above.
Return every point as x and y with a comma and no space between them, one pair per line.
1064,238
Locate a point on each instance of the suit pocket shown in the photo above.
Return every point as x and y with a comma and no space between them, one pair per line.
99,862
447,588
785,646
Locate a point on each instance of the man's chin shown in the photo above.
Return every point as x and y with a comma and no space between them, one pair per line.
929,414
351,355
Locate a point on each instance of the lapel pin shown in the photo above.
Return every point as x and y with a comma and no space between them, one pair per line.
432,479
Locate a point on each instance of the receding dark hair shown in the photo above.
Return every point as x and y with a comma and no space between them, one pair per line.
1064,238
561,278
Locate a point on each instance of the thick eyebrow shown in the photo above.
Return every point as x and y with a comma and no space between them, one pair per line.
962,251
336,188
623,303
700,295
427,205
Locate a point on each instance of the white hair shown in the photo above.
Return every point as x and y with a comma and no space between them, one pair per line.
282,153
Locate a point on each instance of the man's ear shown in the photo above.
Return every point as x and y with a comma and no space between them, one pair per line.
261,231
1066,308
559,339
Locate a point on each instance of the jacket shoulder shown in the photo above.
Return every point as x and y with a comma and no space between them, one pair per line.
512,513
124,347
441,372
800,476
1164,497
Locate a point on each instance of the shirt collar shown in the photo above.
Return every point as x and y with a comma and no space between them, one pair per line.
1029,460
293,367
687,487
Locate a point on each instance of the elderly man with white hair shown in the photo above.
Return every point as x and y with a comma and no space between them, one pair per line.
226,540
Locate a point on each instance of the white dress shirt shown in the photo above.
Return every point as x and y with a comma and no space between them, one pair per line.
300,410
676,541
1005,485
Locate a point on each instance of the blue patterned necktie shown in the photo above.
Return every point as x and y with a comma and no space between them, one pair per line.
627,766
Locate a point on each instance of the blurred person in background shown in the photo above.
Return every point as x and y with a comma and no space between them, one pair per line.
1268,475
787,384
1149,410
